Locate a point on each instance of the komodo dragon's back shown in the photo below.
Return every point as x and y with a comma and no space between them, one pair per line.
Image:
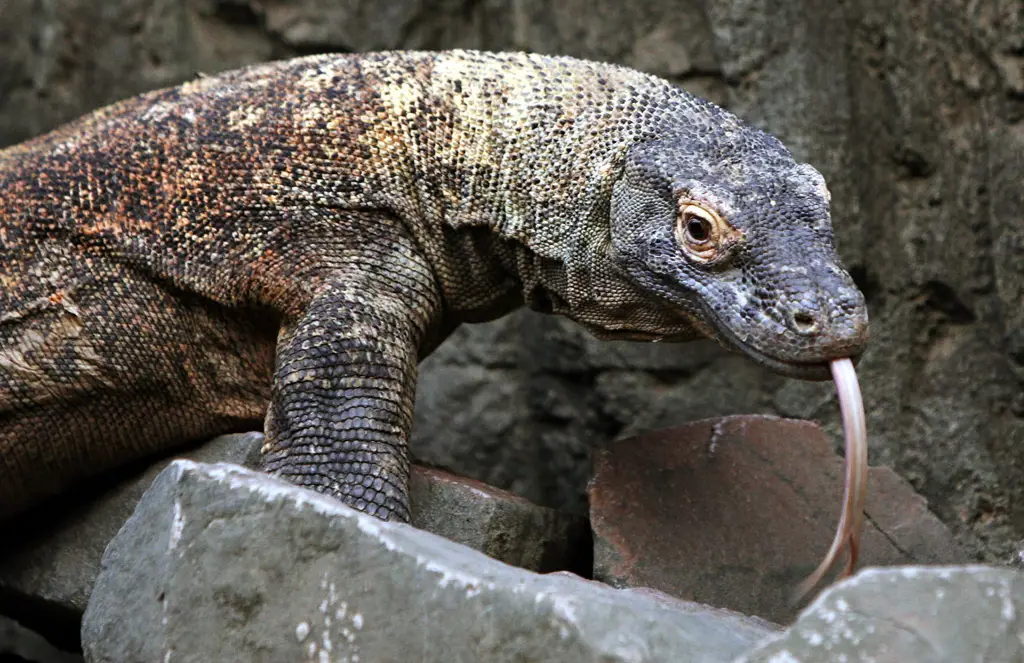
283,243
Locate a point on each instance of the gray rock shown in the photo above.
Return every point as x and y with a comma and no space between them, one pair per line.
220,563
936,614
54,552
348,24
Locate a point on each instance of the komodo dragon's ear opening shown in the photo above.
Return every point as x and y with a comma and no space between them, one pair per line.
642,207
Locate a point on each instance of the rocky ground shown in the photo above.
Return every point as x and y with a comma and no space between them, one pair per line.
914,113
699,535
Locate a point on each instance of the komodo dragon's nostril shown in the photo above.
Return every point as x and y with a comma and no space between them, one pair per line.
803,320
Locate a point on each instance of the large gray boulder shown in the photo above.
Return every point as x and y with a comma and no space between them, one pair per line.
939,614
222,564
50,556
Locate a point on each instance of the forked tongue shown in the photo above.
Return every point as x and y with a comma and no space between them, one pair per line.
855,430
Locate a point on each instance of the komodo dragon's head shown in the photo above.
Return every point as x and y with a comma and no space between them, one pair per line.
735,237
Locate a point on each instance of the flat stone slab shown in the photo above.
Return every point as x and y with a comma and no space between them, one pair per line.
937,614
219,563
736,511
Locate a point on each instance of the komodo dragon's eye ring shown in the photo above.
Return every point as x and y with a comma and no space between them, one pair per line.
702,233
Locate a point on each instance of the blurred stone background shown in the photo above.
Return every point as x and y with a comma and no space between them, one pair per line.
912,109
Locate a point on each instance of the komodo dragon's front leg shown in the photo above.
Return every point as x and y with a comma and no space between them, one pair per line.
345,380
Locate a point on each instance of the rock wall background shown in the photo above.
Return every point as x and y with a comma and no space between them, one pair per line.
913,109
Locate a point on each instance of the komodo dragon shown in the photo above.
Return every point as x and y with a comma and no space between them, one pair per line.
284,242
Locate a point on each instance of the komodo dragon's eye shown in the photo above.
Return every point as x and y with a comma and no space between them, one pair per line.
698,229
703,234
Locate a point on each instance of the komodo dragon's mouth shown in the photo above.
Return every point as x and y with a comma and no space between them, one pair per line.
817,370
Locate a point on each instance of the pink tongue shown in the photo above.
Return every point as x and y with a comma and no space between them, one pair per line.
852,519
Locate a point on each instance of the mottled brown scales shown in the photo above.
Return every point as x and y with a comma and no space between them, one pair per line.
283,243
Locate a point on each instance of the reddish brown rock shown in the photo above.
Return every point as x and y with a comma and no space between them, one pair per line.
735,512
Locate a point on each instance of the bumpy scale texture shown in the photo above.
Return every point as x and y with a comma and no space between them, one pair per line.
285,242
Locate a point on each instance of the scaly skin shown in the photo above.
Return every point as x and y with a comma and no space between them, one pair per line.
288,240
